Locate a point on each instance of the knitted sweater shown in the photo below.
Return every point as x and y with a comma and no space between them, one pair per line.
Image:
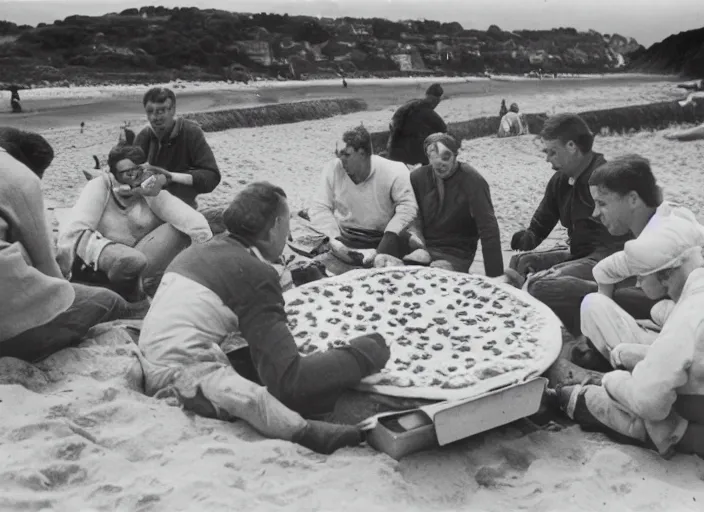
383,202
32,290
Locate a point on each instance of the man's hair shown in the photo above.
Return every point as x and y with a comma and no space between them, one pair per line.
513,108
124,151
254,210
358,137
629,173
569,127
29,148
159,95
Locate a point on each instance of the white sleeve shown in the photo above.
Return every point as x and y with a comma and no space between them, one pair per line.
404,200
322,208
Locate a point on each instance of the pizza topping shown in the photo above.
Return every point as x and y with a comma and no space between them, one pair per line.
437,346
297,302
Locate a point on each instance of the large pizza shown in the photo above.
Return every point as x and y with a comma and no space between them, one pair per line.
451,335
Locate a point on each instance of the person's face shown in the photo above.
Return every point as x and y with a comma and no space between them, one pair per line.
441,159
652,287
612,209
278,234
161,116
562,157
128,173
353,161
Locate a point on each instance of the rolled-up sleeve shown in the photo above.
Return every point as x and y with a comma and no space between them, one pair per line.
405,203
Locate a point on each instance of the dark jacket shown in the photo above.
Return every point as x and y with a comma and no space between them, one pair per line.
573,207
465,216
185,151
409,127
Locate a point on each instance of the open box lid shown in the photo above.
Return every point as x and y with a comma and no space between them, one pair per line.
459,419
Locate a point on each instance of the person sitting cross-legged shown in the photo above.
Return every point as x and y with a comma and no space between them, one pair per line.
220,304
40,311
364,202
455,212
567,144
512,123
120,237
655,397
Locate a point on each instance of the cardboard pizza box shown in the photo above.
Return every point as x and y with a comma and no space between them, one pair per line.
401,433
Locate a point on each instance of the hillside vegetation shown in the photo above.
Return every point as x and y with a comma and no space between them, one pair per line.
156,43
681,53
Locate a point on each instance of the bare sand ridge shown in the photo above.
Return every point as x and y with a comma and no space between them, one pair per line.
75,436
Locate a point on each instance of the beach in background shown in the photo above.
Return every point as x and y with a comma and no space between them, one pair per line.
76,436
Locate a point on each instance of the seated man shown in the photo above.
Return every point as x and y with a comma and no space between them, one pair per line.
627,198
455,211
224,294
40,312
115,234
512,123
364,201
656,397
567,143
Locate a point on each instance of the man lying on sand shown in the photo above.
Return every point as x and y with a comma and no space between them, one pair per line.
364,202
176,149
627,199
656,397
567,144
223,295
40,312
411,124
114,234
696,133
455,212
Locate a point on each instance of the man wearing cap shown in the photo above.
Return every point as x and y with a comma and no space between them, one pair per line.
411,124
364,203
512,123
656,395
454,212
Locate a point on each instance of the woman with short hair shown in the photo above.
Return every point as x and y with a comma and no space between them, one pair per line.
121,237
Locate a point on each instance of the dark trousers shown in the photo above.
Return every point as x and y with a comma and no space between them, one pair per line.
92,306
564,290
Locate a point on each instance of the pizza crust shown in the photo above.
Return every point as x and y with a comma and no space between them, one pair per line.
458,339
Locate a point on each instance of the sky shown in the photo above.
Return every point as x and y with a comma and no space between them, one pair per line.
648,21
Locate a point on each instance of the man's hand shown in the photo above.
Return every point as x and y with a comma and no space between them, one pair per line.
386,260
414,242
523,240
153,169
420,256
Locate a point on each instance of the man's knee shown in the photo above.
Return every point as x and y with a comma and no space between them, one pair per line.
593,311
128,267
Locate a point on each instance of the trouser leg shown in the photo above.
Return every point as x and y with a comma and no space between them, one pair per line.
160,247
534,261
92,306
613,332
123,266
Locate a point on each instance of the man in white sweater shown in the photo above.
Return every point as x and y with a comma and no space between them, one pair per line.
364,202
658,400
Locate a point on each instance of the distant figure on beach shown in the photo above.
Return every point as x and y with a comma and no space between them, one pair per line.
363,202
410,126
503,110
696,133
40,311
344,83
114,235
216,336
83,125
15,99
176,149
512,123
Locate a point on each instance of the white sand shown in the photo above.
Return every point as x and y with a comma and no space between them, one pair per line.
75,437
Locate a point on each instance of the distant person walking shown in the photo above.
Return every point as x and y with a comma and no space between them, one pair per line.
411,125
15,99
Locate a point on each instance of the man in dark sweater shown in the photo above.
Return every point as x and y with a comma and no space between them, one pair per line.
410,126
567,144
454,212
176,149
223,297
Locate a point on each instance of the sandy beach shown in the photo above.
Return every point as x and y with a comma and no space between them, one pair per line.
76,436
